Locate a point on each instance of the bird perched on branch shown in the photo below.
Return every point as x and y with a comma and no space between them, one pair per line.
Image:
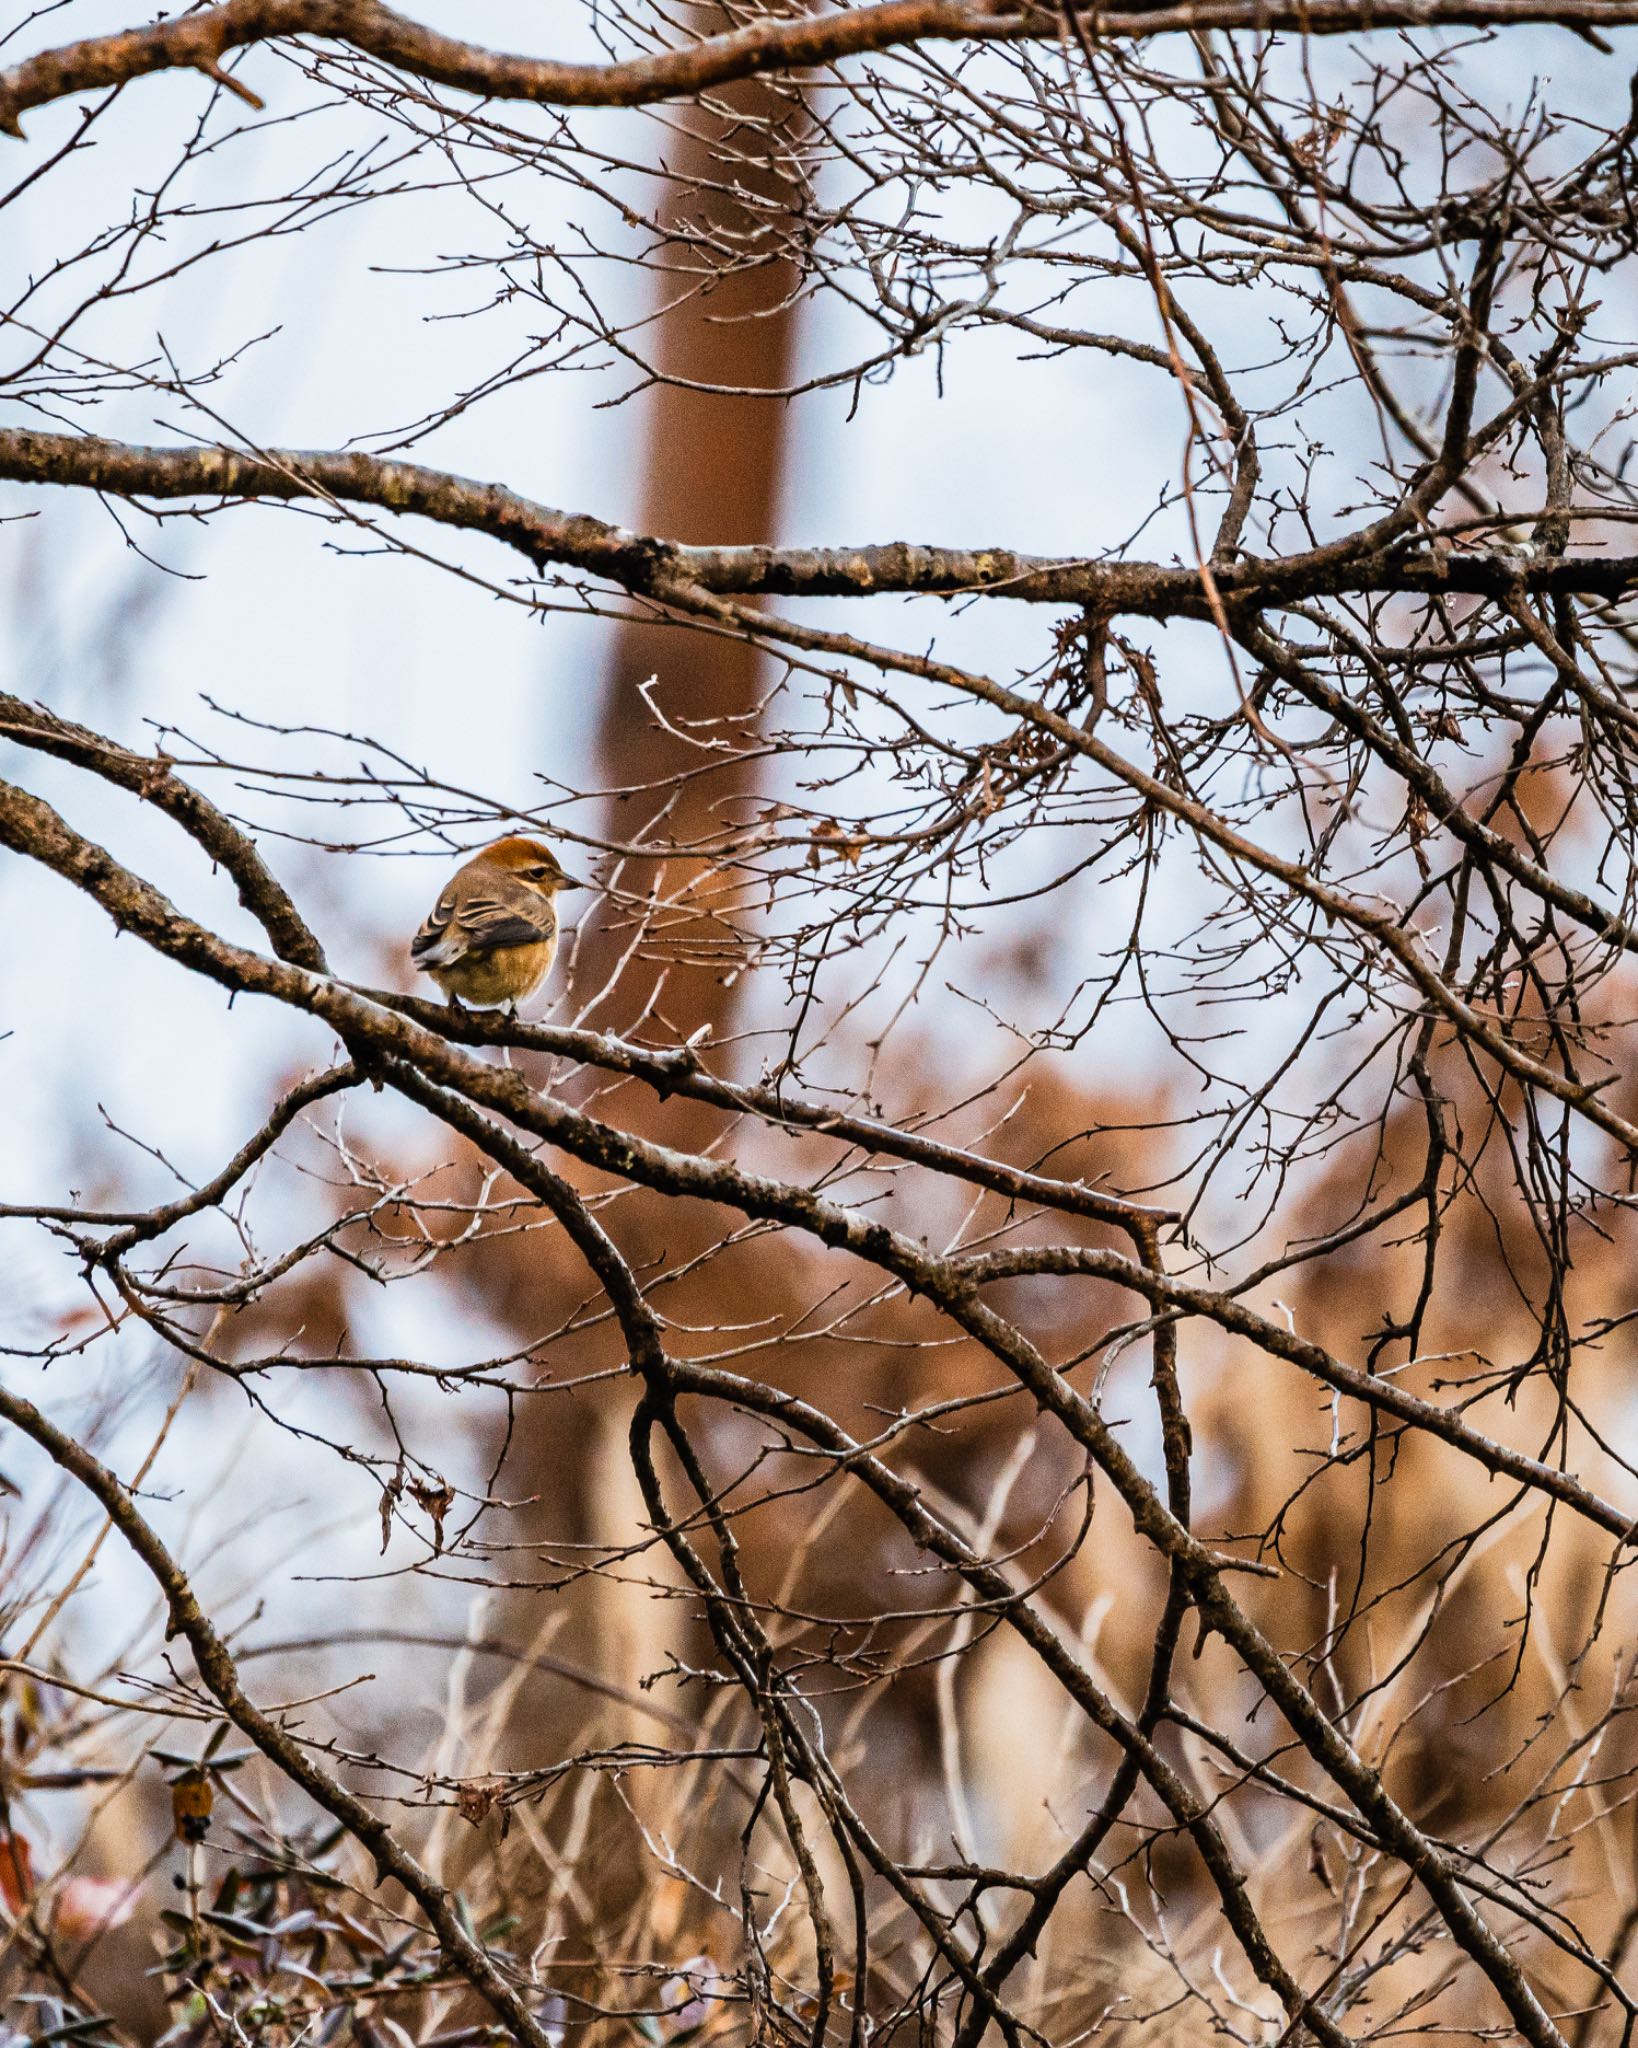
492,934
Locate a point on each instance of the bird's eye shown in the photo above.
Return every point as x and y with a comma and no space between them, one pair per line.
536,874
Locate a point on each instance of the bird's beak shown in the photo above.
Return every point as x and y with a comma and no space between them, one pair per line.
569,882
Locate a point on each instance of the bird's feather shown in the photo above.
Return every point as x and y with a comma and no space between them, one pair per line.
466,921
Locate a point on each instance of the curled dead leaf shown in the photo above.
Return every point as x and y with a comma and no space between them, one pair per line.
830,837
472,1802
437,1496
475,1801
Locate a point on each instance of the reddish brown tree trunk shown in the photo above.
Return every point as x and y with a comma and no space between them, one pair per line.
714,471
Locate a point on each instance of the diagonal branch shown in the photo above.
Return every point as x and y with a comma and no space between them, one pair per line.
216,1667
149,776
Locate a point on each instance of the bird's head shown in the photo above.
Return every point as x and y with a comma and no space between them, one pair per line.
532,861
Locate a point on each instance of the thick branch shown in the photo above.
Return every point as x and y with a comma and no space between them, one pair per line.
648,566
149,776
791,43
198,42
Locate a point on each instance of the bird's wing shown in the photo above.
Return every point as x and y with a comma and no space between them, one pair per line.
474,920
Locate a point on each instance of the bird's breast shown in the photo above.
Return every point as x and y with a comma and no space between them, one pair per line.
492,975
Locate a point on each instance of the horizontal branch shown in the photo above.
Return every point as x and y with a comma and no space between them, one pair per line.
648,566
198,41
692,578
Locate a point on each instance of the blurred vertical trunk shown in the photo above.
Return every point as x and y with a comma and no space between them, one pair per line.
714,469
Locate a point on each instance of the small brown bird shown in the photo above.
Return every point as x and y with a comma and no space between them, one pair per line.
492,934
